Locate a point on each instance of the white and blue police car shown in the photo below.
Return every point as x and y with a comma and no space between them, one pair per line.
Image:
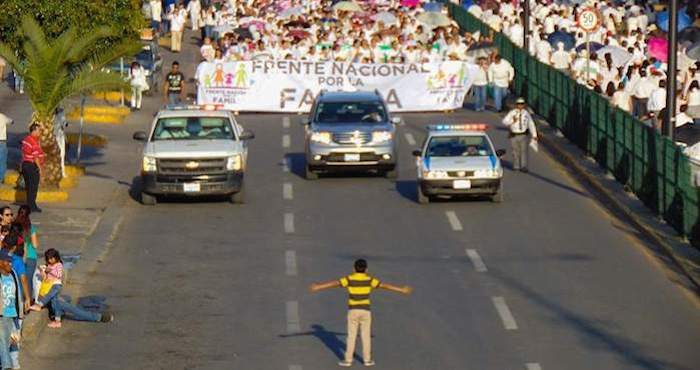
458,160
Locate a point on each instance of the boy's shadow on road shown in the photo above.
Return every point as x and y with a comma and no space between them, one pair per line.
329,338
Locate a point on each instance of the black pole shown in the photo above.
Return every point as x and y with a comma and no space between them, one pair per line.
670,119
526,26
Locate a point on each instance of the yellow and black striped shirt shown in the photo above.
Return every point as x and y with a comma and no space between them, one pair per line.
359,286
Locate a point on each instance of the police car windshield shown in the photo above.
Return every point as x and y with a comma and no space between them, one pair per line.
193,128
458,146
369,112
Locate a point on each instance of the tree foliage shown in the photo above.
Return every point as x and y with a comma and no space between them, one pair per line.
55,16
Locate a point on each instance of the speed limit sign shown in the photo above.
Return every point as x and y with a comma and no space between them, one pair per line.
589,19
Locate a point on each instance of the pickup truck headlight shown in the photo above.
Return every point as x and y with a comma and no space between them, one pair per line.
488,173
234,163
322,137
149,164
381,136
434,175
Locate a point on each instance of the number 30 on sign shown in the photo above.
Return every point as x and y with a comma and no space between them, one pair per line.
589,19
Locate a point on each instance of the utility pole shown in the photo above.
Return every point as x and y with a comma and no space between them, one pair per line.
526,26
669,123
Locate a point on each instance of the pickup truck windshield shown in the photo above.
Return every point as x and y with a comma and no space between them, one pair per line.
353,112
458,146
193,128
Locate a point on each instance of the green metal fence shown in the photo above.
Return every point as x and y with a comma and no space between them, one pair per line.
651,165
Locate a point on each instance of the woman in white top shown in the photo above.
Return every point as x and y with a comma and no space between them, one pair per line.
621,99
693,98
137,79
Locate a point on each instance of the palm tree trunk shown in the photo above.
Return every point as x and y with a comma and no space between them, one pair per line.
51,173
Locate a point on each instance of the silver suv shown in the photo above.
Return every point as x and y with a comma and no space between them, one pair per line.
192,151
350,130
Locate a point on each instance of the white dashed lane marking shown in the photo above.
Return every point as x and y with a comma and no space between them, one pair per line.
533,366
289,223
285,122
478,263
454,221
292,309
290,261
505,314
285,164
286,140
410,139
287,191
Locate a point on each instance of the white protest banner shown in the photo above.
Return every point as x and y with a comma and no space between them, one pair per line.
292,85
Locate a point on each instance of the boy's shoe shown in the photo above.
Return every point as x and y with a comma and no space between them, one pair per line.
345,363
54,325
107,317
369,363
35,307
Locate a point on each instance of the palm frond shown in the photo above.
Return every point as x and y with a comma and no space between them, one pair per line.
9,55
90,81
33,31
123,48
83,46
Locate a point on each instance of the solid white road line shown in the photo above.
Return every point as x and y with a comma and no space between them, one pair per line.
290,261
285,164
293,317
533,366
410,139
295,367
504,312
478,263
285,122
287,191
454,221
286,140
289,223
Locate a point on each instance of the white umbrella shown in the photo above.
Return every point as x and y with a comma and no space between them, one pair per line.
296,10
347,6
433,19
620,56
385,17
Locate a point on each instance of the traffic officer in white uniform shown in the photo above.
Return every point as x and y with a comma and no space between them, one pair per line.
522,131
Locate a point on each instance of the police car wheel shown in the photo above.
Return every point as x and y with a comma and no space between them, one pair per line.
148,199
391,174
420,197
239,197
309,174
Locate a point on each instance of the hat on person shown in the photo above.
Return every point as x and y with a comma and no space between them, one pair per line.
520,101
5,256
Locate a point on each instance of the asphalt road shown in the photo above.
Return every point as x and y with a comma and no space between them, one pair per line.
208,285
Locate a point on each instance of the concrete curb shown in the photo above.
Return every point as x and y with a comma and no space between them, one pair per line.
99,241
685,256
87,140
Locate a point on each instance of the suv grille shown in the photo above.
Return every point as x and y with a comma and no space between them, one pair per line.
460,173
191,167
356,137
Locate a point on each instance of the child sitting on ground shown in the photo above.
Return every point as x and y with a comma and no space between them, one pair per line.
51,285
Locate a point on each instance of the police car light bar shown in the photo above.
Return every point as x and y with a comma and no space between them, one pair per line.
460,127
207,107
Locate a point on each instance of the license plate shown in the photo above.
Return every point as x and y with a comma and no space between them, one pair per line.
191,188
352,157
462,184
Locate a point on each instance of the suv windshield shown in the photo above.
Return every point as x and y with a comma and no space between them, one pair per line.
193,128
350,112
458,146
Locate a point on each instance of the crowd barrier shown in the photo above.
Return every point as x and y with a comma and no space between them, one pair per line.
649,164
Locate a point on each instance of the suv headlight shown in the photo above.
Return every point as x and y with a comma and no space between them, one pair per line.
149,164
234,163
488,173
381,136
434,174
322,137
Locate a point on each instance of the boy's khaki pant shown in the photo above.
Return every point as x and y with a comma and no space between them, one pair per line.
363,320
175,40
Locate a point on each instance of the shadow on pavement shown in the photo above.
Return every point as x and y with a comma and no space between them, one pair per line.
328,338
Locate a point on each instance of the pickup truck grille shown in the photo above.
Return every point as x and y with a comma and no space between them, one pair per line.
460,173
351,138
191,167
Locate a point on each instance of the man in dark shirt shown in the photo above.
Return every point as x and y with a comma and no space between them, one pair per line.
174,85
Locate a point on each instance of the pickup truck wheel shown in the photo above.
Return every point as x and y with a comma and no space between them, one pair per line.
238,198
498,197
309,174
148,199
420,197
392,174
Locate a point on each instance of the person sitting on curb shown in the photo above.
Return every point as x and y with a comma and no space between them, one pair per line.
51,285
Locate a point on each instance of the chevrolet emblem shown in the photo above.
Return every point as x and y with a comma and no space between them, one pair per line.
192,165
356,138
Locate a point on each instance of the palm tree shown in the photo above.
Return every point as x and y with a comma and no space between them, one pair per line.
61,68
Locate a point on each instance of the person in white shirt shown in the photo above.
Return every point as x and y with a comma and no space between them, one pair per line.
544,49
480,84
522,132
4,122
640,94
500,74
516,33
657,99
682,118
177,27
561,59
194,7
621,99
156,15
693,101
207,50
137,80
